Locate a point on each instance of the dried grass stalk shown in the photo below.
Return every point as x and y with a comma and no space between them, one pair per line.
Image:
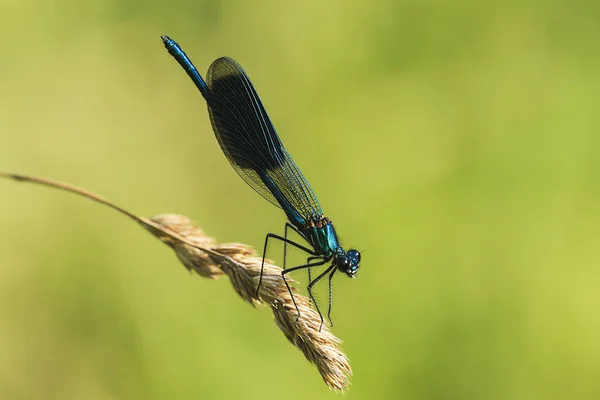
201,254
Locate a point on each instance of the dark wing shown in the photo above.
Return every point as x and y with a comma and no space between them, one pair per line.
250,142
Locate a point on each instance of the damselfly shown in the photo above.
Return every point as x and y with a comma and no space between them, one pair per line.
250,143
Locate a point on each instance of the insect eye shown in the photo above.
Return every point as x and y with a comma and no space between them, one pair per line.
355,255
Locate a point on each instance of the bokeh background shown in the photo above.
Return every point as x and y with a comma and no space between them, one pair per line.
456,142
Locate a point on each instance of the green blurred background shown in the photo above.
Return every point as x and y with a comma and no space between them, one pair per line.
455,142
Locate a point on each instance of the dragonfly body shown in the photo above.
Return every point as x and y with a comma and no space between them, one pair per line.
251,144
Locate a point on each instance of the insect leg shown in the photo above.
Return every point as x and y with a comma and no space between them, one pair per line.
309,259
330,297
308,266
284,240
285,233
310,285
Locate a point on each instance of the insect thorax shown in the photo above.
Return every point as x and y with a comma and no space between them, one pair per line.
320,233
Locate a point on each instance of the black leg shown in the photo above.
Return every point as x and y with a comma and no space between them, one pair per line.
323,261
284,240
330,297
285,233
309,259
310,285
308,266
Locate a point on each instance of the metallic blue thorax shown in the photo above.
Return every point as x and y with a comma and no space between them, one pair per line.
321,235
